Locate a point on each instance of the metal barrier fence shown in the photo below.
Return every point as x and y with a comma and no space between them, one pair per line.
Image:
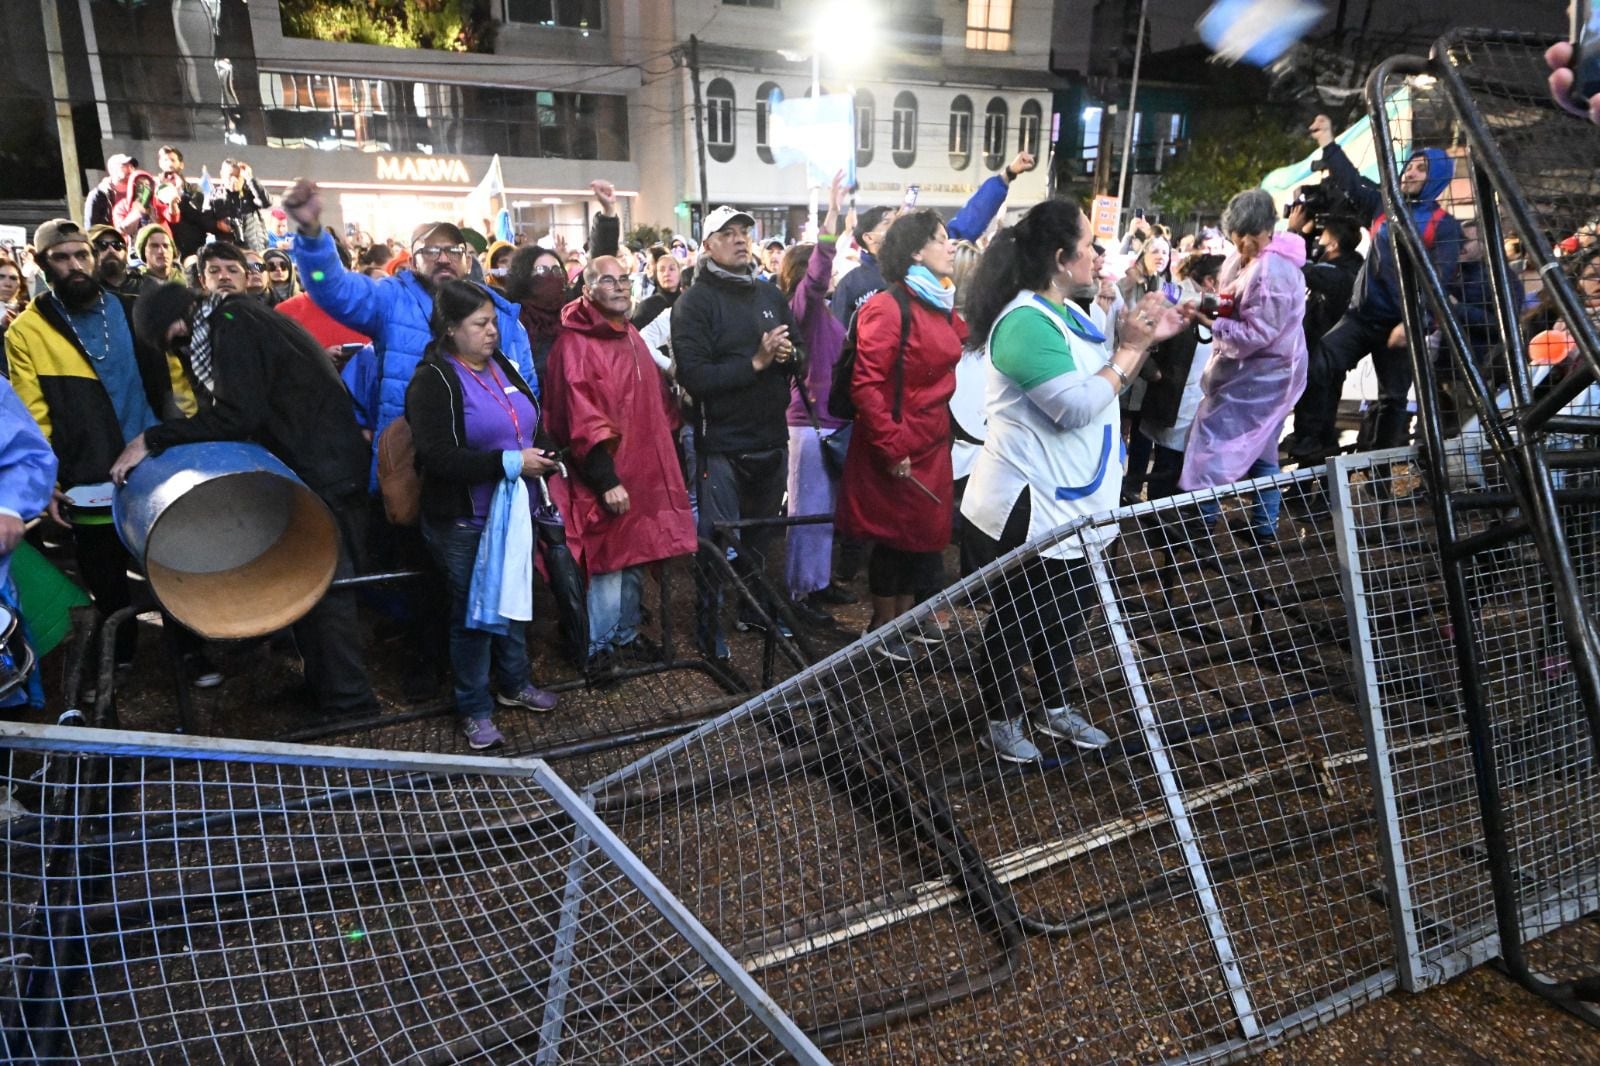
192,900
1443,902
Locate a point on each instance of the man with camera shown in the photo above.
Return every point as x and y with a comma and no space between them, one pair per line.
1373,325
1334,263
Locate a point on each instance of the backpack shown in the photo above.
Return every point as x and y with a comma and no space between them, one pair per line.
398,480
840,403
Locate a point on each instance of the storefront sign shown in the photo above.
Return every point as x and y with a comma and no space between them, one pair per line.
425,168
926,186
1104,220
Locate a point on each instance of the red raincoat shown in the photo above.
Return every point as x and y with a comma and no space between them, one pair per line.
602,390
874,505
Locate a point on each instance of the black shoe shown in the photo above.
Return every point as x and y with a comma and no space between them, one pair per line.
834,595
809,614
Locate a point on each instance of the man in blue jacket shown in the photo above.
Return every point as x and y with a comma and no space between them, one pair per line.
1374,323
856,287
27,478
393,311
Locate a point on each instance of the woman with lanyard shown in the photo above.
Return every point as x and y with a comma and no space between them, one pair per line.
1049,457
469,410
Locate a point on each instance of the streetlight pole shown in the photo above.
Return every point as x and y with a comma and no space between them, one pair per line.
1133,108
808,233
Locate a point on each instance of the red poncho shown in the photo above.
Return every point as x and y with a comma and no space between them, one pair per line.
602,390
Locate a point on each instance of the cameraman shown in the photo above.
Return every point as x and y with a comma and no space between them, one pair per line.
1373,324
1330,281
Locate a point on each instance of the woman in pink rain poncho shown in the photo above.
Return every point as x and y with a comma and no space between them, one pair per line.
1258,361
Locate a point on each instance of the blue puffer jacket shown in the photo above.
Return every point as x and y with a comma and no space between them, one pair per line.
1377,293
394,312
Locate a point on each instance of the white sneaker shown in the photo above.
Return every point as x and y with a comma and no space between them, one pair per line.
1065,723
1010,741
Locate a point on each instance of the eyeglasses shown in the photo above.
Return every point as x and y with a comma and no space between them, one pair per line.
278,268
549,268
110,242
434,251
608,281
254,268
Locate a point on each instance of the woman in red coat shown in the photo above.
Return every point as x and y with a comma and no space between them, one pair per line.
896,490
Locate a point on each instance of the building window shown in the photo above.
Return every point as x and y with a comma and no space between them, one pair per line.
996,117
866,112
1029,120
766,96
719,120
1091,136
989,25
770,5
585,15
905,130
960,133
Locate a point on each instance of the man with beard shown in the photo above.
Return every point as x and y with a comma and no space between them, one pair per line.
260,377
180,203
111,262
610,406
223,269
92,388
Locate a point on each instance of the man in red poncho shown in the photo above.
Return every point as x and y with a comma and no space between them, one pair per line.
606,401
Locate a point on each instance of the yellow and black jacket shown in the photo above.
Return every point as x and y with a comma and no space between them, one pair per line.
54,376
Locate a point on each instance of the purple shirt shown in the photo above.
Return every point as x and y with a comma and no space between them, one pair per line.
489,401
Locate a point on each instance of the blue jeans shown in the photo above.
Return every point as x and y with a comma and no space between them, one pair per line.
1264,512
473,653
614,608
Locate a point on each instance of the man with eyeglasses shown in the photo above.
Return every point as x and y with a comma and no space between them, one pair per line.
255,275
92,387
111,262
733,342
608,403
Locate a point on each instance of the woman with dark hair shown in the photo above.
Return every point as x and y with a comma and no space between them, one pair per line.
536,281
666,274
1049,457
1149,272
281,282
473,419
896,489
804,275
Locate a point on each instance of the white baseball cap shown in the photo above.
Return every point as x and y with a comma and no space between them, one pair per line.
724,216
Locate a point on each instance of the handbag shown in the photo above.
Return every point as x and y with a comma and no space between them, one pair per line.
835,446
398,480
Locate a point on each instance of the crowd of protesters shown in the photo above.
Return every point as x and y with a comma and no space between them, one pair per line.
922,382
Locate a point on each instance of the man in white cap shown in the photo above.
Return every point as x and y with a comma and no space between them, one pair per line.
733,342
97,207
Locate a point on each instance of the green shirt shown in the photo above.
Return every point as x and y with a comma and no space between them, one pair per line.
1029,349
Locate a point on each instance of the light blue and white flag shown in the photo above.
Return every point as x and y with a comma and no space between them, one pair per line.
1257,32
817,131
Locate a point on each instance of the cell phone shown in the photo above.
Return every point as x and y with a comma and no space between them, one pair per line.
910,200
1138,212
1585,35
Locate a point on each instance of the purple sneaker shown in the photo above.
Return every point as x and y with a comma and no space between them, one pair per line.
481,733
529,697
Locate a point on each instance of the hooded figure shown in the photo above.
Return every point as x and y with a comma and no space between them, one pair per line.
281,283
1373,324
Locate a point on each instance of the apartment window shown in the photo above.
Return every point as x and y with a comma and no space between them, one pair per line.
766,96
866,112
960,133
905,130
1029,121
989,25
719,120
585,15
996,117
1091,133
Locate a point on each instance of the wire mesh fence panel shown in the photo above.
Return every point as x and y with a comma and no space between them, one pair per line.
213,901
1117,810
1445,906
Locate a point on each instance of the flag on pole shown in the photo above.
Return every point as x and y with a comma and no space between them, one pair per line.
481,200
817,131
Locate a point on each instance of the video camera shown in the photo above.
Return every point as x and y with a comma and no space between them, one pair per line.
1318,201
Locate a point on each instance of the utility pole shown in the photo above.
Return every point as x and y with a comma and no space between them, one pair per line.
58,89
1133,108
699,125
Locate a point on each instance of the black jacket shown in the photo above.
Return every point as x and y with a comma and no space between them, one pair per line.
651,307
716,330
273,384
436,410
1329,286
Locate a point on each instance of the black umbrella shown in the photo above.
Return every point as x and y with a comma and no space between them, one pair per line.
561,570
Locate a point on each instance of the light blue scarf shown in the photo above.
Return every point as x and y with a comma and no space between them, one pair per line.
929,289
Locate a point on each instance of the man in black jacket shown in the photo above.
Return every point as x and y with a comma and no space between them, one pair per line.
261,377
1330,282
733,346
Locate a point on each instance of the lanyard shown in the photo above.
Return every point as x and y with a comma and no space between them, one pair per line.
499,395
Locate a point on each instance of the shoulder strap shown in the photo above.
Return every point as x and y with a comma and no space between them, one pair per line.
902,298
1430,232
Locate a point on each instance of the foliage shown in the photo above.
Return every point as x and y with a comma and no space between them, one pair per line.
445,25
644,235
1231,154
